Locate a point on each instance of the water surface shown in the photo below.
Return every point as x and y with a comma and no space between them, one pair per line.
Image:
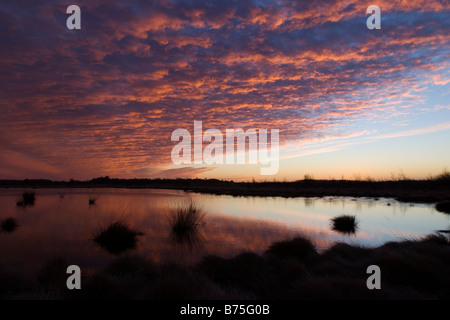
63,223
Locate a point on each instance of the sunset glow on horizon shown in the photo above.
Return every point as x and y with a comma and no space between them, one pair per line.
104,100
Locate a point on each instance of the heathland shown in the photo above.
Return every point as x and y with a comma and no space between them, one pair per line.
289,269
433,189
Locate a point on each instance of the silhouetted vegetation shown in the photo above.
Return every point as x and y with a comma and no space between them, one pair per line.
8,225
298,247
117,237
15,285
443,206
52,277
402,188
444,176
185,220
246,276
345,224
417,269
438,237
28,199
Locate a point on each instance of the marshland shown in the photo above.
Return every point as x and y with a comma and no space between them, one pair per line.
163,243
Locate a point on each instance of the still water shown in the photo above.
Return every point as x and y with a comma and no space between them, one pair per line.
63,223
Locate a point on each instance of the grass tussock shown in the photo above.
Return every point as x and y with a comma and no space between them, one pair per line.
28,199
443,206
185,221
344,224
117,237
298,247
8,225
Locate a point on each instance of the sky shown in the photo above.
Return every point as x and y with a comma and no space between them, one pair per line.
104,100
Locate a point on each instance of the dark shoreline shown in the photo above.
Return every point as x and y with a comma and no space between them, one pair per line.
421,191
287,270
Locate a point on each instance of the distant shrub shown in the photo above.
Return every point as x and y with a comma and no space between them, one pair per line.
443,206
9,225
28,199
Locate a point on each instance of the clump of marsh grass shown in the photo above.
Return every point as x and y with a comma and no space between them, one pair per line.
28,199
345,224
443,206
298,247
8,225
185,220
117,237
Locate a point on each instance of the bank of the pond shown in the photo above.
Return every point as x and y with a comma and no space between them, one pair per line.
426,191
291,269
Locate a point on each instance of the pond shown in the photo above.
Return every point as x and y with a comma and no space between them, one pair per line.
64,222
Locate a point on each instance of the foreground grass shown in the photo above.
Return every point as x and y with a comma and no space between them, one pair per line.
290,269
